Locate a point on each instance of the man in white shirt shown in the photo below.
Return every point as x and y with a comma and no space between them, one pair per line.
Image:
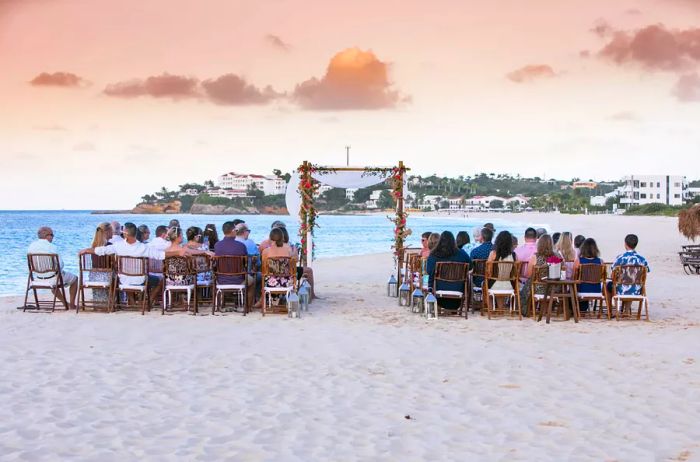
160,243
44,245
130,247
117,233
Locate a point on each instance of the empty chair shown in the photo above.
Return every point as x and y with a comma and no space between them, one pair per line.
502,282
178,277
45,274
97,275
229,277
132,280
629,286
451,282
279,278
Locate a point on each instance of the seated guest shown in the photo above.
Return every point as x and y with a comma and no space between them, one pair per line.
267,242
578,240
143,234
178,265
433,240
541,232
589,255
515,242
44,245
278,248
462,239
425,249
243,235
502,251
102,235
211,237
630,257
491,227
174,223
195,238
482,252
555,238
565,249
130,247
524,252
160,242
545,250
446,251
305,271
116,232
229,246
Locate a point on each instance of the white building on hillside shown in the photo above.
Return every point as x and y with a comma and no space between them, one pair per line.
484,202
651,189
350,193
269,184
227,193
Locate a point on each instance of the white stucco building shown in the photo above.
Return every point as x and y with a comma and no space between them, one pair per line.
651,189
269,184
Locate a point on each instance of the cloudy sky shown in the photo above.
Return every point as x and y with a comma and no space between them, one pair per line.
103,101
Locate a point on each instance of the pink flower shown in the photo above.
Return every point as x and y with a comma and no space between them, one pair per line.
554,260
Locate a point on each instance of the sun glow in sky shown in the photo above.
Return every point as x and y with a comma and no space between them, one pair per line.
102,102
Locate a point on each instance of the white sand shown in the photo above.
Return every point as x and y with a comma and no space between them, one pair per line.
338,384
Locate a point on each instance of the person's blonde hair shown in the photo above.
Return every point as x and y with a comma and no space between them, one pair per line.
100,238
545,246
565,247
433,240
173,233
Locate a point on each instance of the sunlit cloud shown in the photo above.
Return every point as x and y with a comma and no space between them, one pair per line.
232,90
354,79
160,86
530,73
57,79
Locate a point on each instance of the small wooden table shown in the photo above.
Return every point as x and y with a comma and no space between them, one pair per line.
566,291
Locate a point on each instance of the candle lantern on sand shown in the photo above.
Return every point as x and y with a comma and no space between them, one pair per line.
404,294
431,308
391,287
417,301
293,309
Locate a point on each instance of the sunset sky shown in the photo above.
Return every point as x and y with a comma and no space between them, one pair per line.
102,101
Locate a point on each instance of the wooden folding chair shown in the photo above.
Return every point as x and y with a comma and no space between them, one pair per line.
503,271
477,288
226,269
453,272
44,274
629,278
279,278
407,252
179,276
539,274
416,277
96,274
593,273
136,268
202,266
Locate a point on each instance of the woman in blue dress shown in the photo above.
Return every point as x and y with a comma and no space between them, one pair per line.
589,254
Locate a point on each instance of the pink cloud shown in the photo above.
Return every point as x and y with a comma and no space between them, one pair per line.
687,89
277,42
531,72
601,28
354,79
57,79
230,89
160,86
655,47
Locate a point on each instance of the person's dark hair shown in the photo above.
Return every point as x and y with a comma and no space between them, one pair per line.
589,249
555,238
129,229
174,223
160,230
277,236
285,233
631,240
446,246
578,241
486,234
541,232
490,226
227,228
237,221
194,233
211,234
140,232
426,235
531,233
503,245
515,241
462,239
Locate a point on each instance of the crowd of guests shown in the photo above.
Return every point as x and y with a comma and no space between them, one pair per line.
170,241
536,250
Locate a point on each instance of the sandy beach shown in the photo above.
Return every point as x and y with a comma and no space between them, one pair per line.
360,378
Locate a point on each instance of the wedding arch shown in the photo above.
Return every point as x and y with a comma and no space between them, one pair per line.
305,182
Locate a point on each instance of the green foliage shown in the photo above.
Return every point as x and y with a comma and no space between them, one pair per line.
655,209
385,200
496,204
187,202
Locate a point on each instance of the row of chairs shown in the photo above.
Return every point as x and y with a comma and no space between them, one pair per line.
485,296
690,258
123,282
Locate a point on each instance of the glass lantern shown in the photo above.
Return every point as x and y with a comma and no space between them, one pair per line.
417,301
304,296
431,308
404,294
391,287
293,308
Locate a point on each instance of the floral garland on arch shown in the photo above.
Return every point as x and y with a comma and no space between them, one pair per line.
401,232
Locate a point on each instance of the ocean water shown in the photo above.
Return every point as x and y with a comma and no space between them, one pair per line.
335,235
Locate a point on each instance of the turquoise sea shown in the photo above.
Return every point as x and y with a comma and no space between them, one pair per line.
335,236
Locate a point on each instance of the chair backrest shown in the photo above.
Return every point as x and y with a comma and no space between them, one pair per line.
177,267
155,266
591,273
479,267
630,275
132,266
201,263
96,263
43,264
230,266
502,270
450,271
279,272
